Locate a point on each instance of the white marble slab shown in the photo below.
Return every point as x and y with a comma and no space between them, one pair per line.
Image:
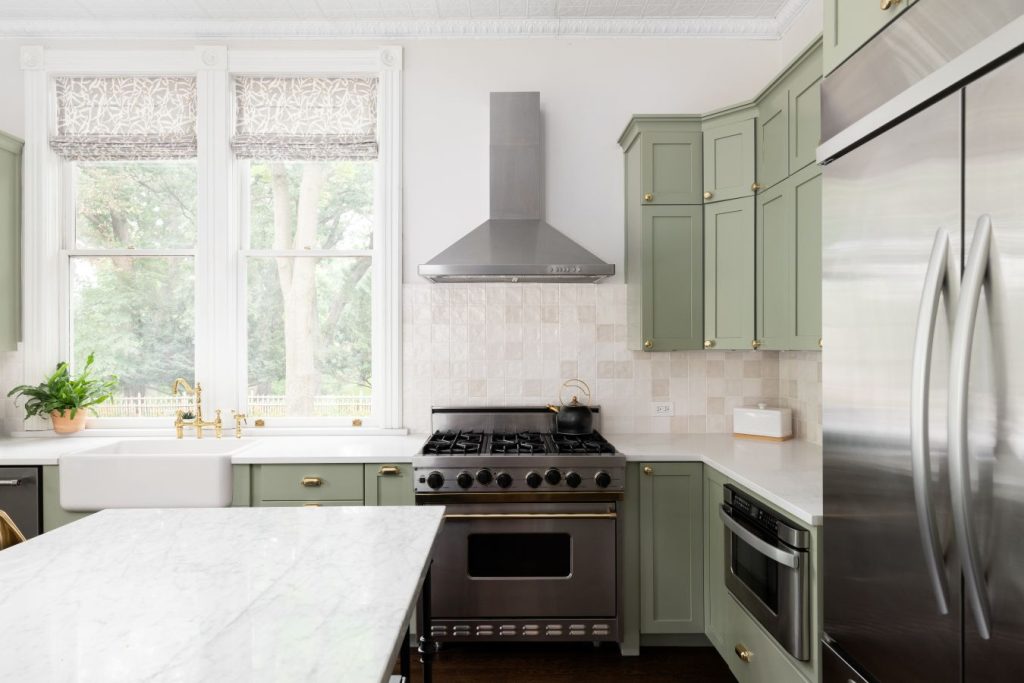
786,474
235,594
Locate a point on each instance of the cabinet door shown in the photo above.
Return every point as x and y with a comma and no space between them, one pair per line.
10,243
851,23
729,274
806,188
388,484
673,278
804,86
717,626
729,161
773,138
671,548
789,263
672,168
774,267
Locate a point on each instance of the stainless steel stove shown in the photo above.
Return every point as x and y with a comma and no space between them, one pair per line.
530,548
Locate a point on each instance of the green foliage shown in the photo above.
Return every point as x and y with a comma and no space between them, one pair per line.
62,391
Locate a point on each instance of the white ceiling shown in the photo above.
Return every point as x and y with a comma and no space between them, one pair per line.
398,18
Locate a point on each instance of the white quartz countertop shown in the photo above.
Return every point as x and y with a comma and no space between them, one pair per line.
267,449
232,594
786,474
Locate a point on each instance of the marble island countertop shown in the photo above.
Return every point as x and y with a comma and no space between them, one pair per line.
232,594
786,474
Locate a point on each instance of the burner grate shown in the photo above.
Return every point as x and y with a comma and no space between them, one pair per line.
451,442
591,443
518,442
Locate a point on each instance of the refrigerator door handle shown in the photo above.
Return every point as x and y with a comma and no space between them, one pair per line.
975,274
941,278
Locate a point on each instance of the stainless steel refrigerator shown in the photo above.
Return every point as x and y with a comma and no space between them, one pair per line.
923,374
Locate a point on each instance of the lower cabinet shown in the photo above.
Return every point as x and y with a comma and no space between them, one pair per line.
388,484
671,548
728,625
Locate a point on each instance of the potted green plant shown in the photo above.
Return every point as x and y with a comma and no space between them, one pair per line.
65,398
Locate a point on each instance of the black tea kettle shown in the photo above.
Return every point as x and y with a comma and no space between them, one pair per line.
573,418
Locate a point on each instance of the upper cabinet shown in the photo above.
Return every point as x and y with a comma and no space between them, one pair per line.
729,160
10,242
729,274
851,23
773,138
664,233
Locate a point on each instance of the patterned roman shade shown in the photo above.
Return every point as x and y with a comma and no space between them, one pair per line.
305,118
125,118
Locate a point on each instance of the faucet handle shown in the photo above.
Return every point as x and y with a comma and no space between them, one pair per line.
240,419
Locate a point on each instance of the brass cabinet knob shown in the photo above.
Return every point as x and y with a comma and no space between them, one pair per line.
821,345
755,186
389,470
708,195
312,481
648,470
888,4
648,197
709,343
648,344
743,653
755,344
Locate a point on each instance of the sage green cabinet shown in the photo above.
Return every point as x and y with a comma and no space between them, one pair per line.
307,483
729,274
803,87
388,484
671,167
728,625
788,263
671,548
10,242
849,24
729,160
773,138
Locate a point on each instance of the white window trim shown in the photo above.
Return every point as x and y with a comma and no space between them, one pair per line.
220,346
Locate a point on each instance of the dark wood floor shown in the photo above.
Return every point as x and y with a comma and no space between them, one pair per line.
573,663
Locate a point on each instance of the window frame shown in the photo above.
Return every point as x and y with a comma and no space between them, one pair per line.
220,305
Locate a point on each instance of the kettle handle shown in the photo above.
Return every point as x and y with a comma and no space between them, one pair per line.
574,384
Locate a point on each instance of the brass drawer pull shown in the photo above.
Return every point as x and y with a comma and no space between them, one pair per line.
535,515
389,470
743,653
311,505
648,470
312,481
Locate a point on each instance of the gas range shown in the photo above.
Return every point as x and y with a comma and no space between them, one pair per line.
513,450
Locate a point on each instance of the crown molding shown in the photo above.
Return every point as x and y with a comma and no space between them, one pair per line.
734,27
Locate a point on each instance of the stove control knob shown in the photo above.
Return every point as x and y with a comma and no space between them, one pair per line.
533,480
552,476
465,480
484,477
603,479
573,479
435,480
504,479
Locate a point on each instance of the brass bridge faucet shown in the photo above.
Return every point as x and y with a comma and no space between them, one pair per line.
197,422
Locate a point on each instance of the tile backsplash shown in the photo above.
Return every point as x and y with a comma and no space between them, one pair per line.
496,344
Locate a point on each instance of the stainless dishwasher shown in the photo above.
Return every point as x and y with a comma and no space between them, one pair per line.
20,498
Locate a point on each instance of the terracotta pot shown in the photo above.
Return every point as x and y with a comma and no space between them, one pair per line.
63,424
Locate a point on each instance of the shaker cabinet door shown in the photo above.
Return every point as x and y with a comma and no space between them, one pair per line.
673,278
671,548
10,243
773,139
851,23
805,112
672,168
729,161
729,274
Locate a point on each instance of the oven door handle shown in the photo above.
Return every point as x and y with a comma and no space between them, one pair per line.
788,558
535,515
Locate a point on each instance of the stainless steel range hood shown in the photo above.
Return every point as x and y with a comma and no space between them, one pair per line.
516,244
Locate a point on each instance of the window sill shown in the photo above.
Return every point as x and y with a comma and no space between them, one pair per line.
129,433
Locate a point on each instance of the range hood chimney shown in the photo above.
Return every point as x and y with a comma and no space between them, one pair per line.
516,244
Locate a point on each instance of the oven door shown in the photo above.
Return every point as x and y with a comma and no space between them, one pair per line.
770,579
526,560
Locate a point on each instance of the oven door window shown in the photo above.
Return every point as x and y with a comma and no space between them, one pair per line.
759,573
519,556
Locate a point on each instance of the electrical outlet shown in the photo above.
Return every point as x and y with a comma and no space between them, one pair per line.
663,409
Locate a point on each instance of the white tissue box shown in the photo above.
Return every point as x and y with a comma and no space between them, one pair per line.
762,422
